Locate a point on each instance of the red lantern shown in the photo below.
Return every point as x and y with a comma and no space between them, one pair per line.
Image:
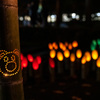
35,65
21,56
51,63
39,60
24,62
30,58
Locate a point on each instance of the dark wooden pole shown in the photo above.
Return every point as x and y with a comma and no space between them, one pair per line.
11,82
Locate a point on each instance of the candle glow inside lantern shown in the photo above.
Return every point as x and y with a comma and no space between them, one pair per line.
75,44
72,57
70,46
35,65
61,45
51,63
83,60
52,53
30,58
88,56
24,62
66,53
98,62
78,53
94,54
60,56
39,60
64,48
50,46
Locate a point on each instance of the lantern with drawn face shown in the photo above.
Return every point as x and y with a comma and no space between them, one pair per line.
9,62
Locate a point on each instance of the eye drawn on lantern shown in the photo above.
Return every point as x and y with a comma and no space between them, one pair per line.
9,62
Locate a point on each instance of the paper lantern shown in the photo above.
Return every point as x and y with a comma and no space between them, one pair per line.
50,46
64,48
39,60
94,54
72,57
83,60
88,56
78,53
51,63
75,44
52,53
30,58
60,56
98,62
24,62
70,46
66,53
35,65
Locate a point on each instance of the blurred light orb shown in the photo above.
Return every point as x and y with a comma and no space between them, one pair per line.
75,44
52,53
51,63
72,57
24,62
61,45
66,44
83,60
94,54
60,56
30,58
50,46
21,56
98,62
88,56
66,53
78,53
70,46
35,65
39,59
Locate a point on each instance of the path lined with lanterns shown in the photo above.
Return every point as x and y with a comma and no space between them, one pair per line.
65,67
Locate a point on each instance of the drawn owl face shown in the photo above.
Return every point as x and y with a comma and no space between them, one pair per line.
9,62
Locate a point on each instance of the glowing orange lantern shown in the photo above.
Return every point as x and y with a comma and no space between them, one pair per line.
50,46
61,45
30,58
66,44
60,56
94,54
64,48
51,63
78,53
83,60
53,44
66,53
39,60
52,53
98,62
88,56
75,44
35,65
72,57
70,46
56,47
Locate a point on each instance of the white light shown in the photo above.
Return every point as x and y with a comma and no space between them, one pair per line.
21,18
53,18
73,15
48,19
77,17
65,18
27,18
98,14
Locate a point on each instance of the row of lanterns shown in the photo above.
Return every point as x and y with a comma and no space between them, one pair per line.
70,51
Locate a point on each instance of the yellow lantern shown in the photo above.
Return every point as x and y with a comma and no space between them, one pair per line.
94,54
83,60
88,56
72,57
98,62
50,46
66,44
66,53
60,56
70,46
78,53
52,53
75,44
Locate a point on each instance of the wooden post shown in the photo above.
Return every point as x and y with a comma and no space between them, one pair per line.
11,82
